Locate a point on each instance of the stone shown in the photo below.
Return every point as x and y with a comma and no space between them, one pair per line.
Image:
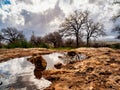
71,53
40,65
58,65
39,62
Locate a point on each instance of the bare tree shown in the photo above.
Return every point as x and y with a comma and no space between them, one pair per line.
11,35
69,42
116,2
54,38
115,18
93,30
117,29
1,37
72,26
1,40
36,40
33,39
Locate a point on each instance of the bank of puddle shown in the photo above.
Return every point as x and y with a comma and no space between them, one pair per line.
18,73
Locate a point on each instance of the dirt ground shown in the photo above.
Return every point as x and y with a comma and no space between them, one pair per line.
99,71
6,54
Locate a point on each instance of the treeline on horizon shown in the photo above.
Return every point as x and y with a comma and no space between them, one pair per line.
77,30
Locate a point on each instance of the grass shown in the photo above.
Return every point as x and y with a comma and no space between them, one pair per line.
63,48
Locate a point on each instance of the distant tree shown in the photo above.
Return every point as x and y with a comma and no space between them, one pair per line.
54,38
36,41
117,29
115,18
39,40
33,39
69,42
1,40
93,30
11,35
72,25
1,37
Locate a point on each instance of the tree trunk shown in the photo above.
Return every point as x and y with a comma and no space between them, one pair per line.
77,40
55,45
88,41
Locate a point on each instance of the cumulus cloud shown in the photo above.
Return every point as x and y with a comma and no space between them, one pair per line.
43,16
41,22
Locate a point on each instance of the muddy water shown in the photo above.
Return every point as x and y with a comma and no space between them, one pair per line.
18,73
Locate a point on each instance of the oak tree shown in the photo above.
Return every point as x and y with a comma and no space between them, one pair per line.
73,24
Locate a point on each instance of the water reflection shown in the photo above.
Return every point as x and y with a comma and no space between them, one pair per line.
37,73
53,59
19,74
23,74
70,56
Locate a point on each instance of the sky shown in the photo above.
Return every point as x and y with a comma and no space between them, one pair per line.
45,16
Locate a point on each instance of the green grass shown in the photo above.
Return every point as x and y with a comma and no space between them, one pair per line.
62,48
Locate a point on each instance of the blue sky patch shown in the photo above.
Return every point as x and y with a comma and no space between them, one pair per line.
7,2
4,2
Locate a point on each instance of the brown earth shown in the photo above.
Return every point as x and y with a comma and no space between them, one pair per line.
6,54
100,71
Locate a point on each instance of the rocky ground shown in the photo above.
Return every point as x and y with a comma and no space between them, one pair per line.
99,71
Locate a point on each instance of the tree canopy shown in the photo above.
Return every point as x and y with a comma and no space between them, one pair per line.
11,35
73,25
79,25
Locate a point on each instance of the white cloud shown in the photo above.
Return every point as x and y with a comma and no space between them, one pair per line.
44,16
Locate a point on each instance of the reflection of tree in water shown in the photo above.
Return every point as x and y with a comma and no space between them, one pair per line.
72,56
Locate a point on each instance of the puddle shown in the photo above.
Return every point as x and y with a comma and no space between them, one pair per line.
67,57
53,59
19,73
63,58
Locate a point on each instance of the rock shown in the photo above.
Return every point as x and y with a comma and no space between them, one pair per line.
39,62
40,65
58,65
71,53
37,73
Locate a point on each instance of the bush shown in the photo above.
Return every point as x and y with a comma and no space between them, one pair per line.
19,44
116,46
43,45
